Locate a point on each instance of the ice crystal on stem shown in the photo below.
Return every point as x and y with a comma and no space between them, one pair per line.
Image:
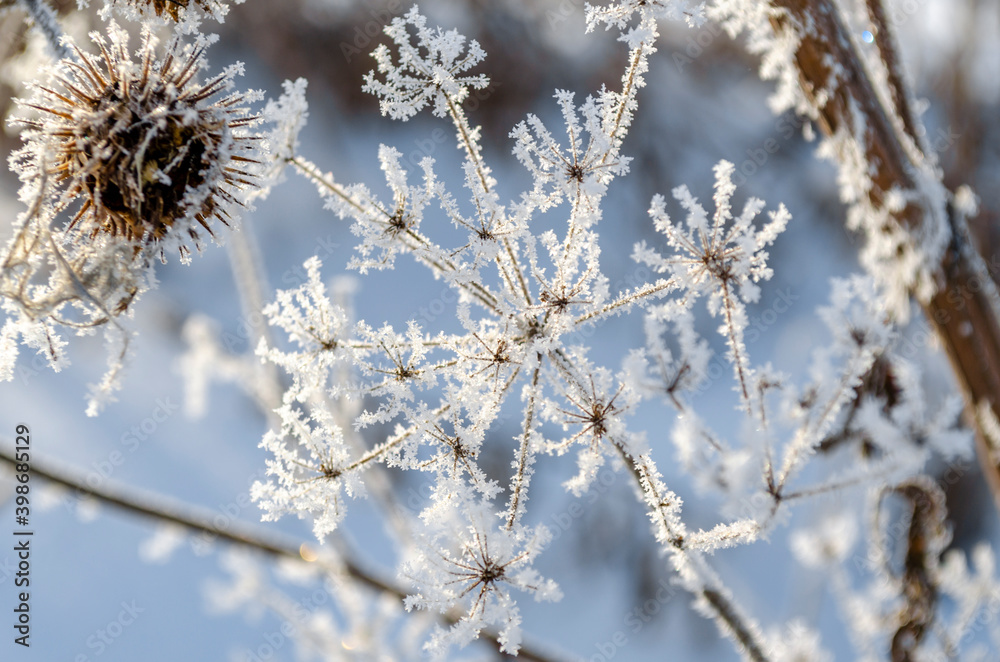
428,73
620,14
583,170
288,115
311,470
317,326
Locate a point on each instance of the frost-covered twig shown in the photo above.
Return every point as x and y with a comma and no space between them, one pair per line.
161,508
47,23
254,291
888,50
696,575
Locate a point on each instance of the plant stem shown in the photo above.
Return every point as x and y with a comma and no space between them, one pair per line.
964,309
44,19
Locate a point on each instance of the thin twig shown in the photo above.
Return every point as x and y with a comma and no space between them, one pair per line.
524,453
725,610
254,291
680,545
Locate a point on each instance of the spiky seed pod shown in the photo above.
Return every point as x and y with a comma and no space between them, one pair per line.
141,147
170,7
124,159
187,13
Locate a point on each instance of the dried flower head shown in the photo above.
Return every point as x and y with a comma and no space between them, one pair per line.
123,160
186,12
141,146
172,8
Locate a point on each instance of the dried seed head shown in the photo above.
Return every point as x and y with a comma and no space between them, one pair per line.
141,148
170,7
123,160
187,12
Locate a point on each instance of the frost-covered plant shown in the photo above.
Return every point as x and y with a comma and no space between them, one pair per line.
124,161
139,147
151,159
521,294
188,14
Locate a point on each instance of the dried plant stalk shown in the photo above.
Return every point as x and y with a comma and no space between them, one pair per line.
962,309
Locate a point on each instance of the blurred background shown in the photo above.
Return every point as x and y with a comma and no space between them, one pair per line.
704,102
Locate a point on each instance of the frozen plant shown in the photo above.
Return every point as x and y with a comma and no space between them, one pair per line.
129,161
187,14
124,162
521,294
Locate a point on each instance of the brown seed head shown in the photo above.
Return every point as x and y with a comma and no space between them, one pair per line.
170,7
141,146
173,9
